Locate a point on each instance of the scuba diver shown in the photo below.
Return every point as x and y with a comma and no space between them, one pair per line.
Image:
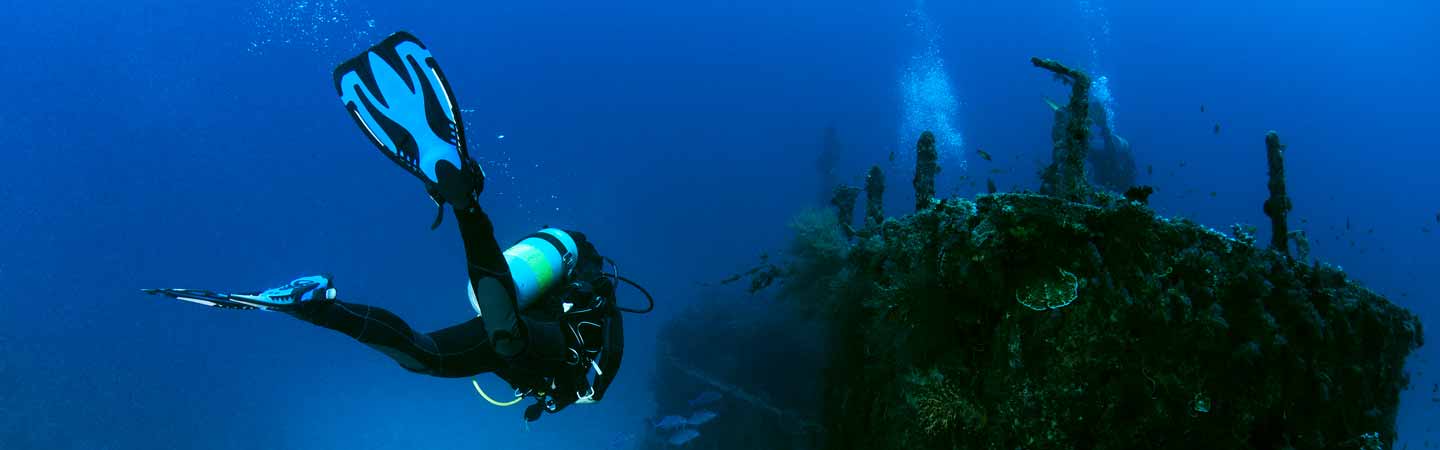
547,321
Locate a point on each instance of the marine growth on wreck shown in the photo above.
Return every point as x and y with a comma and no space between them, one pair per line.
1075,317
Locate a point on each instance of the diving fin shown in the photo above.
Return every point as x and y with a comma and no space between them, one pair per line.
203,297
283,298
400,98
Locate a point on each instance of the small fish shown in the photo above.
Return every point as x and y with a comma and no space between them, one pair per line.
1212,193
892,156
683,437
983,154
1437,217
670,423
700,417
1150,170
1217,128
1053,106
1202,108
1347,224
990,185
705,398
1183,163
996,171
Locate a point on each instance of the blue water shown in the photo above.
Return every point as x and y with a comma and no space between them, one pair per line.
200,144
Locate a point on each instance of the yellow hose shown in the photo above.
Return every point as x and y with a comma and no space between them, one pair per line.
492,401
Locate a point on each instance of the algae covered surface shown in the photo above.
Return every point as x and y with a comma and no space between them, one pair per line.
1074,318
1020,320
1026,321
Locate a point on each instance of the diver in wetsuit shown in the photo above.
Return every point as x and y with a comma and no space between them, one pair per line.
547,354
547,320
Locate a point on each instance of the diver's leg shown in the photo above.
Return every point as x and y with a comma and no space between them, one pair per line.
458,351
515,338
490,281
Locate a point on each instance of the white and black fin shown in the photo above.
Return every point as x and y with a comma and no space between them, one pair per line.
203,297
399,97
283,298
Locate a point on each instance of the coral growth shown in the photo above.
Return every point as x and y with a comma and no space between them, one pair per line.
1050,293
1130,331
1072,319
940,405
843,199
822,246
1065,177
874,197
1277,207
926,167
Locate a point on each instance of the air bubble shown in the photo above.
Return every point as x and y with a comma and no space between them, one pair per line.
929,101
327,27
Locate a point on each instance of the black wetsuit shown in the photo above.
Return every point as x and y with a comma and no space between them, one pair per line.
488,343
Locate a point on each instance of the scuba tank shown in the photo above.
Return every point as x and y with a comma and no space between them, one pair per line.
559,276
538,263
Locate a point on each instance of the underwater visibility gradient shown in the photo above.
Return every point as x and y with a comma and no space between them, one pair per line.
852,215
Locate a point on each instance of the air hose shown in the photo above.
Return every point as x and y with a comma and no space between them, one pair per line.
492,401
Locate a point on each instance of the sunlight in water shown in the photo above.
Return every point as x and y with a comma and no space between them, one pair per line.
929,102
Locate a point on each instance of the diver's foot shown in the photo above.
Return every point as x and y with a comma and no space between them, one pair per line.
290,296
458,186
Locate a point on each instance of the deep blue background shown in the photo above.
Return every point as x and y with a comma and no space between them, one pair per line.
148,144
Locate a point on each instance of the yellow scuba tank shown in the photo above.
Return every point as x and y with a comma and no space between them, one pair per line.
537,263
